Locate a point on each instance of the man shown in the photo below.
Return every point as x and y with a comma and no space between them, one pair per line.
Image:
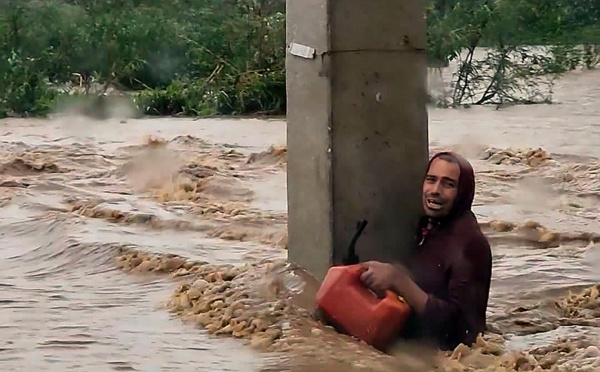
446,280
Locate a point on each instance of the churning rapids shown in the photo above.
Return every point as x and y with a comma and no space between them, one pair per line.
156,244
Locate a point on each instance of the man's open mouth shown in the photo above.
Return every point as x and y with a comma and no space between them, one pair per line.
434,204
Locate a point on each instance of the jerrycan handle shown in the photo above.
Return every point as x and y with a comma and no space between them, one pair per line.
356,271
352,257
390,295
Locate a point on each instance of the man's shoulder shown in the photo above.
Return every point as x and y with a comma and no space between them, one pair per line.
473,238
467,225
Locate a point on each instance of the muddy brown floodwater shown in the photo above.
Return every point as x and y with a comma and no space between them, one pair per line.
157,244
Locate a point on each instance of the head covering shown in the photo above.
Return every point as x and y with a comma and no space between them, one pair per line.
466,185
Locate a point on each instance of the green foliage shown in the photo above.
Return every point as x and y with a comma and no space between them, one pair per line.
208,57
177,98
24,89
188,57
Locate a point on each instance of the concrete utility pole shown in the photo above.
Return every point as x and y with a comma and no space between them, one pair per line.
357,127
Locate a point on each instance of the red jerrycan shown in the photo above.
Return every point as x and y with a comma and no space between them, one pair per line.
350,306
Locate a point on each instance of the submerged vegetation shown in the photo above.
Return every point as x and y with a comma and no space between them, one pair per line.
206,57
527,44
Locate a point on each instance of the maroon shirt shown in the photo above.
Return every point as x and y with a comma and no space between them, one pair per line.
452,263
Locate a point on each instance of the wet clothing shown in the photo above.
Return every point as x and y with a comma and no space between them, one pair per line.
452,263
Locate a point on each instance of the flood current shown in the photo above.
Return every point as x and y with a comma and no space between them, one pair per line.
75,193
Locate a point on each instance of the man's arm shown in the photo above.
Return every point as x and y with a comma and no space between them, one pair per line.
468,293
407,288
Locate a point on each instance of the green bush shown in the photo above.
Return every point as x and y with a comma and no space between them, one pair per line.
182,57
24,89
224,57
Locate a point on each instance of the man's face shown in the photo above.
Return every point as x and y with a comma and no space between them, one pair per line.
440,188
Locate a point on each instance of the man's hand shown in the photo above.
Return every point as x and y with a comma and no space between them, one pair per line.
380,277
